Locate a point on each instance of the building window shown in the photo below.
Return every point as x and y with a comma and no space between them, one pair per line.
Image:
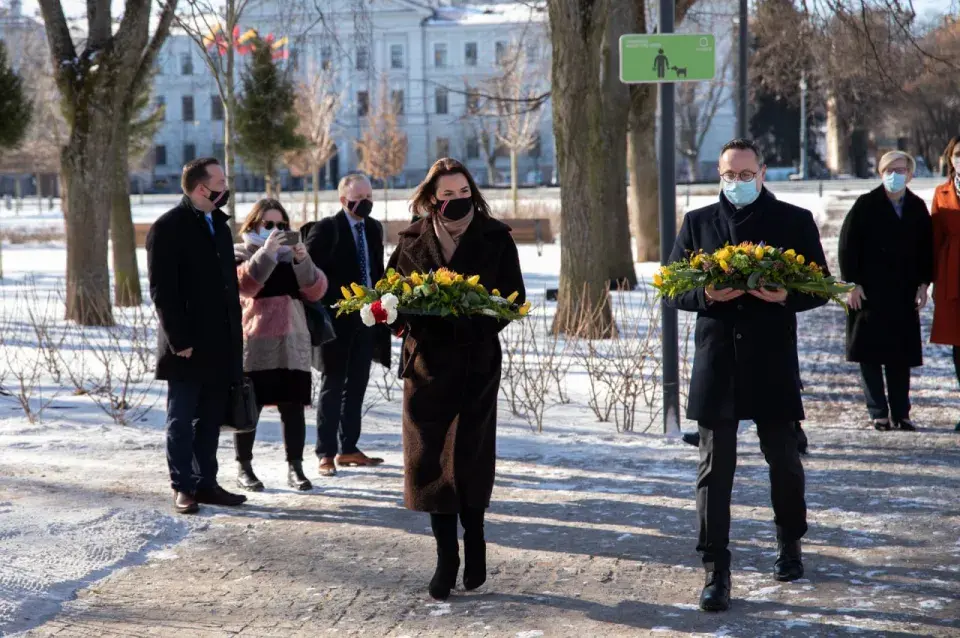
499,150
363,58
470,54
218,151
186,64
441,100
396,56
500,49
443,147
473,148
440,55
216,108
326,58
160,103
189,153
397,98
160,155
363,103
186,108
473,103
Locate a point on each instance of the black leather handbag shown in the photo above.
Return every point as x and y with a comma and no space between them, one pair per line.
318,323
242,414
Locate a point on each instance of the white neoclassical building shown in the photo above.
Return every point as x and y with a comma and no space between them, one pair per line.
428,55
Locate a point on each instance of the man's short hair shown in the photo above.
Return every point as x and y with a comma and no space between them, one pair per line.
893,156
741,144
349,180
195,172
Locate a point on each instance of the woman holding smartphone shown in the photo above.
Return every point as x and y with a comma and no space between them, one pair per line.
451,370
276,275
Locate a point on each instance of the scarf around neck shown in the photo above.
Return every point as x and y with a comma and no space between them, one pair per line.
254,239
449,233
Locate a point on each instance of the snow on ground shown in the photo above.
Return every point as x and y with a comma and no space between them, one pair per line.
591,530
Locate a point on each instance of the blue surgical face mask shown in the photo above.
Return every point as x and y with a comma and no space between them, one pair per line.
894,182
264,233
741,193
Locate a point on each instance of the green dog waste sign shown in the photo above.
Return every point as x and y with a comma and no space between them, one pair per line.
671,57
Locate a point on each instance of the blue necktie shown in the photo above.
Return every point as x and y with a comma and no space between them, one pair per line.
362,250
210,224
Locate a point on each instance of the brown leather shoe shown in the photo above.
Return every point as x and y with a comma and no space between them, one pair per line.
357,459
184,503
327,466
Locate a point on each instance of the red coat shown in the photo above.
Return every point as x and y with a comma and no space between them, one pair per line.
946,248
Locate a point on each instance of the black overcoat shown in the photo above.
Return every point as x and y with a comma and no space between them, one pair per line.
890,257
332,247
451,370
193,284
745,365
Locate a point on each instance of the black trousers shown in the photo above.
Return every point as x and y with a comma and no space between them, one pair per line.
891,402
718,463
294,434
956,361
346,371
194,415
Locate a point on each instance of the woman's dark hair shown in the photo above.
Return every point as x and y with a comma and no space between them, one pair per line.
948,156
261,208
420,203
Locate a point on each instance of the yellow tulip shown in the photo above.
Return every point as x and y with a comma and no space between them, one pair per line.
407,289
345,292
724,265
769,250
524,309
357,290
758,252
696,261
458,279
416,279
801,259
394,278
513,297
657,279
790,253
473,281
495,292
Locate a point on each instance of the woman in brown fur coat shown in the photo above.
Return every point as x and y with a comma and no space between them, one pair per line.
451,370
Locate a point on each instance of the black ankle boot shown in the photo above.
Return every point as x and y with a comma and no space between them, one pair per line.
296,478
246,479
716,591
789,565
448,555
474,549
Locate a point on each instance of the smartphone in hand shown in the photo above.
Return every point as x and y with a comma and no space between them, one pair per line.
289,238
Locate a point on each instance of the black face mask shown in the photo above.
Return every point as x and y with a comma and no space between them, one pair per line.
455,209
362,208
218,198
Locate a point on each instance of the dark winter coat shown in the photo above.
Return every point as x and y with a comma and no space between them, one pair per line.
193,284
332,247
746,365
276,339
890,257
451,370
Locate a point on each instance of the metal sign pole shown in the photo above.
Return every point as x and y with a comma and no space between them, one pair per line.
668,232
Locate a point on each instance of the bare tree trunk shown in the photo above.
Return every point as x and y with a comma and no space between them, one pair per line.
316,192
126,274
578,33
513,184
37,176
229,117
306,201
642,164
386,202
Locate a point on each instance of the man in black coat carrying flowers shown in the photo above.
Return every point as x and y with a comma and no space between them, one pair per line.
746,365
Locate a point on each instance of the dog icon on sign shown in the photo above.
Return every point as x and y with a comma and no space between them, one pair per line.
681,71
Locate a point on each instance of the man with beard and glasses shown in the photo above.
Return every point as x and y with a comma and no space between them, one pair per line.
348,248
746,365
193,284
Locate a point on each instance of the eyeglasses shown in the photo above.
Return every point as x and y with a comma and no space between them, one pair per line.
898,170
744,176
277,225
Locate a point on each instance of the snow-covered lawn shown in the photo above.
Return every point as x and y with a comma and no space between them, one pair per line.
591,530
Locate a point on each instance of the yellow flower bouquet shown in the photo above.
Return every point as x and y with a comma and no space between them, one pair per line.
443,293
748,267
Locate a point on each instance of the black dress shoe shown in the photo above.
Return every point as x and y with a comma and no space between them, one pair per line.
789,565
716,591
184,503
445,576
881,425
474,550
906,425
691,438
246,479
296,478
219,496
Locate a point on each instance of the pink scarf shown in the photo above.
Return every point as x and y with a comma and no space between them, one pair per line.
449,233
